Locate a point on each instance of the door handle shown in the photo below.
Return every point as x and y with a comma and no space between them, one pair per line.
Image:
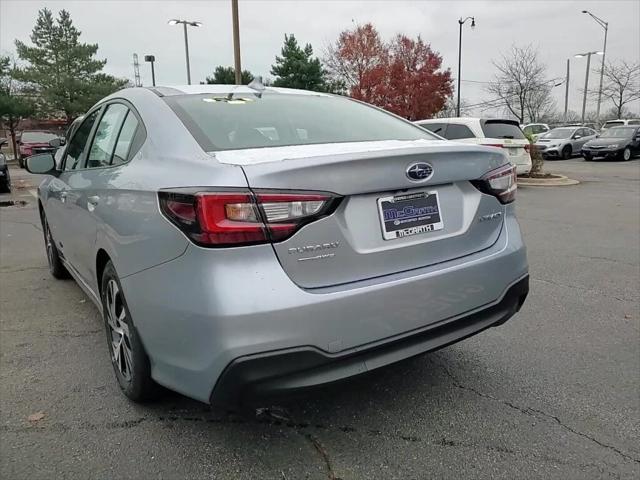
63,196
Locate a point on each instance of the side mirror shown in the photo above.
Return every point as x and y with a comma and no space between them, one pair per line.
56,142
43,164
577,137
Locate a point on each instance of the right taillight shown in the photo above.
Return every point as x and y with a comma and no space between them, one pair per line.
501,183
242,217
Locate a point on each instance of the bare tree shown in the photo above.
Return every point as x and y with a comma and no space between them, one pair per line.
521,84
621,84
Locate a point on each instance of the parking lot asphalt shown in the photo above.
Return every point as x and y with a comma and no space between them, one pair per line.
553,393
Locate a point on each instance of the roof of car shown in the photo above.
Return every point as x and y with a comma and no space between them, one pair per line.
172,90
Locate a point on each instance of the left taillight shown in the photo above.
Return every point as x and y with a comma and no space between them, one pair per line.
502,183
236,218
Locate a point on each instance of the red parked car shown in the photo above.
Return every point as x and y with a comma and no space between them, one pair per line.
32,142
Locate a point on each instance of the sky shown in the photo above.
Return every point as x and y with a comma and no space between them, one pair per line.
557,28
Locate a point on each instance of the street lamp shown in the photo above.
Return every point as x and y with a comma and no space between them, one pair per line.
151,59
184,23
461,22
586,78
604,25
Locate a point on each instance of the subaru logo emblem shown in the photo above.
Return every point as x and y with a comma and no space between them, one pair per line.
419,172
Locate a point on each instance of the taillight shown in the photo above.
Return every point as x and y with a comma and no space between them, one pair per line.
527,148
501,183
497,145
235,218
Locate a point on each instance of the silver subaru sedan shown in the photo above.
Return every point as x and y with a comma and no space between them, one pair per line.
243,241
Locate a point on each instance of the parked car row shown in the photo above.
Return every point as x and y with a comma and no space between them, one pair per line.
5,176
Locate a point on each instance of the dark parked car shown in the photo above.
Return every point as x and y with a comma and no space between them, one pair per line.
615,142
5,178
32,142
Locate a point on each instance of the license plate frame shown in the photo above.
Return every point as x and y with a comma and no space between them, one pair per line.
409,214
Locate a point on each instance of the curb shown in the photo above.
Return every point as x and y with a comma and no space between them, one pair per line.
557,181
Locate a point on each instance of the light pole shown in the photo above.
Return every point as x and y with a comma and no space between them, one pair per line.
586,77
460,23
604,25
151,59
566,93
184,23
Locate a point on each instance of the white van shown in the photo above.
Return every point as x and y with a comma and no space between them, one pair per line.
492,132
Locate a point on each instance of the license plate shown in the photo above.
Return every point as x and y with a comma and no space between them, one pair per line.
514,151
406,215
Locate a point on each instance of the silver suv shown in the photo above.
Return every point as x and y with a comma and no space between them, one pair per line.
242,241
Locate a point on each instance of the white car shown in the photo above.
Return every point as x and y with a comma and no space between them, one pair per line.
491,132
619,123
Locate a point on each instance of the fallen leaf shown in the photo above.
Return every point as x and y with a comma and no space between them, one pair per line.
627,316
35,417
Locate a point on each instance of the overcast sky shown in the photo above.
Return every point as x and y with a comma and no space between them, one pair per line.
557,28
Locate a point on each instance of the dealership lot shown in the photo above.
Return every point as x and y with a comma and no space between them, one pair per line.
551,394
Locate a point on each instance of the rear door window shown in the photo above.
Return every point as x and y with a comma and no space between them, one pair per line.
456,131
501,129
106,135
125,140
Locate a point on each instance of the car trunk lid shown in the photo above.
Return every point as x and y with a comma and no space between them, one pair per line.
349,245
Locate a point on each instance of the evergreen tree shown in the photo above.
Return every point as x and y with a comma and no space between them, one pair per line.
227,76
15,103
64,71
297,68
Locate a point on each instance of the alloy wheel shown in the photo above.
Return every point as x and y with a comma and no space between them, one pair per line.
626,154
120,339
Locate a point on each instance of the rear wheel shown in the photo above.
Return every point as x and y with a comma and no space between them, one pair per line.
5,183
56,267
20,161
626,154
566,152
130,361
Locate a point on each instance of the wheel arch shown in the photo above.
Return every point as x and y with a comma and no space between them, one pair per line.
102,258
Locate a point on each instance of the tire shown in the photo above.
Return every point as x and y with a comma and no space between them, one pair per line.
587,157
566,152
128,358
626,154
21,161
5,185
56,268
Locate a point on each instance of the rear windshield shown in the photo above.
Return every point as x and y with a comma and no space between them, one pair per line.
274,120
612,124
498,129
37,137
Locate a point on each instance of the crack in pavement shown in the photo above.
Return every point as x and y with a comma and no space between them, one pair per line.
585,289
34,225
530,411
301,428
608,260
23,269
323,454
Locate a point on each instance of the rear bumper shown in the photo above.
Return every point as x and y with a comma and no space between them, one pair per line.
288,370
202,311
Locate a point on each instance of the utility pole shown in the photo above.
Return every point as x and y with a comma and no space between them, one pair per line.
566,93
136,71
236,41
